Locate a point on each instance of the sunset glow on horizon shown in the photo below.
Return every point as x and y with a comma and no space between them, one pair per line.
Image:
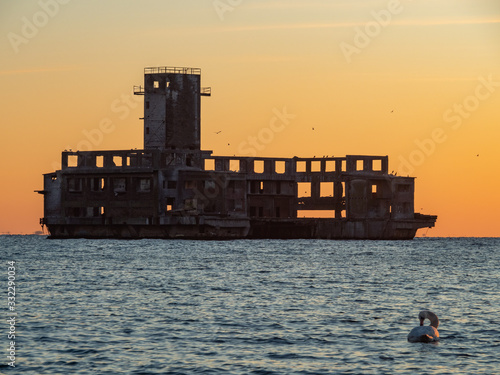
418,81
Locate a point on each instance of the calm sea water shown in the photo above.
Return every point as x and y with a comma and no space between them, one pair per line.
251,307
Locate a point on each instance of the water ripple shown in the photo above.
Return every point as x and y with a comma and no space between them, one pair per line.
254,307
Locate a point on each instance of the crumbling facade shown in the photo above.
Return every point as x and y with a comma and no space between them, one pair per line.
173,189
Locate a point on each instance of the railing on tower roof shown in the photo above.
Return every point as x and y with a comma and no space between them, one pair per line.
171,69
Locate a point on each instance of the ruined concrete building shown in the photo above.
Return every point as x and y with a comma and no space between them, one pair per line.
173,189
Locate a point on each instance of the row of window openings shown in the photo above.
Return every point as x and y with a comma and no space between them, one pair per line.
257,187
118,160
85,211
280,166
99,161
234,165
401,208
156,84
98,184
99,211
327,189
254,210
258,211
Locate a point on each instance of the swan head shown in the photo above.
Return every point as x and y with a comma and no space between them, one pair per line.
426,314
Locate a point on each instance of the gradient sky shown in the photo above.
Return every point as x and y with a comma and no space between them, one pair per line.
416,80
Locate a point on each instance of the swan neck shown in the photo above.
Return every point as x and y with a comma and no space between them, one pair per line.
434,319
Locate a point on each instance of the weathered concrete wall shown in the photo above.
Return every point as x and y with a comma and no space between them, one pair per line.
172,109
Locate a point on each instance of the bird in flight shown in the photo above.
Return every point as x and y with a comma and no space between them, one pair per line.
218,132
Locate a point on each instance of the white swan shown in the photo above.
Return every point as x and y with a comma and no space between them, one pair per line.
425,333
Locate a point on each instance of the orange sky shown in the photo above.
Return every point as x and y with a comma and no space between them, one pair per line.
416,80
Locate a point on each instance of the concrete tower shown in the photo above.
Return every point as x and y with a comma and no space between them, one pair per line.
172,107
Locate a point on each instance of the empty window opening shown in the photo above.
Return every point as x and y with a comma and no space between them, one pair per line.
99,161
261,187
170,204
258,166
72,160
167,84
254,187
359,165
210,164
377,165
211,189
101,211
343,189
73,211
118,161
277,212
326,189
303,189
92,212
374,189
234,165
144,185
156,84
280,167
403,188
343,166
147,130
128,161
75,185
316,166
330,166
301,166
315,213
238,205
97,184
278,187
190,204
343,214
119,185
147,105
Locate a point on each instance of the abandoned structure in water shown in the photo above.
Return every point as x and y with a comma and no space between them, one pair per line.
173,189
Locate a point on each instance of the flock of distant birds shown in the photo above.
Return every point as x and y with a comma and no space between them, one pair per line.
220,131
229,144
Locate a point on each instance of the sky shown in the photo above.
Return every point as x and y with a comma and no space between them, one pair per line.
417,80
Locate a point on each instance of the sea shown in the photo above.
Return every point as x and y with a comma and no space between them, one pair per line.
248,306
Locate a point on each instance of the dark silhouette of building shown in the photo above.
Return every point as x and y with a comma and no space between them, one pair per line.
173,189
